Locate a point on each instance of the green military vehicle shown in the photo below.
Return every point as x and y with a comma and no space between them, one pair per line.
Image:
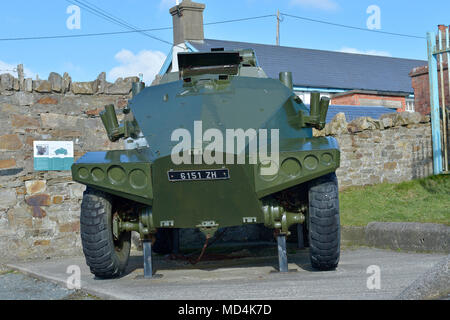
166,180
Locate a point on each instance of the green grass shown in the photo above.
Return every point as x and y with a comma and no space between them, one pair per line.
3,272
423,200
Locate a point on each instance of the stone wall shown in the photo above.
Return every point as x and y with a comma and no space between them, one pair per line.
395,148
39,211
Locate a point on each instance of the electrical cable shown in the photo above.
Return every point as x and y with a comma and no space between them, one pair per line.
109,17
132,29
351,27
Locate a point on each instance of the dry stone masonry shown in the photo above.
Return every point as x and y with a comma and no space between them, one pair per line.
39,211
395,148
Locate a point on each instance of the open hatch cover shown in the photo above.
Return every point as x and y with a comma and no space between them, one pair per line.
221,62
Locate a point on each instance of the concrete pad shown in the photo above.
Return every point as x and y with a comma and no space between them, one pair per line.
433,284
249,278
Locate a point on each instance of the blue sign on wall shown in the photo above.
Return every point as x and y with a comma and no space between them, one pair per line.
53,155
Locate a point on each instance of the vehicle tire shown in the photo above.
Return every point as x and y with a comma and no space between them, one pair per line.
324,224
105,256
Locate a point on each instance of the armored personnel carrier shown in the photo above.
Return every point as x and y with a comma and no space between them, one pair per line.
198,157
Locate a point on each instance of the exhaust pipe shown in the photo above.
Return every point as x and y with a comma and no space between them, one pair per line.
318,110
110,122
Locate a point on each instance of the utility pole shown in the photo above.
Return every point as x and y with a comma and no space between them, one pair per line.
278,27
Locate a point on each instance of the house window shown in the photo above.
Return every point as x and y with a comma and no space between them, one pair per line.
409,105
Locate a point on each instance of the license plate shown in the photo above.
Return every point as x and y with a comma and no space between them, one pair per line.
198,175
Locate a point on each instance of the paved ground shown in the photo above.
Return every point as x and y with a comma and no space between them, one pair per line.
433,284
248,278
17,286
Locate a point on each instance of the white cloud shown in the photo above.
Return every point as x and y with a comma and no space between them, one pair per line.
147,62
328,5
167,3
368,52
10,68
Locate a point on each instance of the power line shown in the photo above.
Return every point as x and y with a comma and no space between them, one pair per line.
108,16
352,27
101,13
130,26
238,20
133,29
94,12
124,32
81,35
104,12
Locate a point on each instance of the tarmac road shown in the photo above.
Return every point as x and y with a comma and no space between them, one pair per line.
250,278
17,286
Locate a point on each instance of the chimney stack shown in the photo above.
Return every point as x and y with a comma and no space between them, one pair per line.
187,21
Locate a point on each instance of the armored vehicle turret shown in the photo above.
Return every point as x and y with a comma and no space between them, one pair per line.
216,144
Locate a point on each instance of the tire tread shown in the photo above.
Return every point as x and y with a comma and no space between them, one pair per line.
324,225
98,246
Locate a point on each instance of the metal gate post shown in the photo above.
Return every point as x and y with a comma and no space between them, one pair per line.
444,113
434,104
447,42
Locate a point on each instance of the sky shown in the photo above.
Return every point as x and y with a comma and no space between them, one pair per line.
130,54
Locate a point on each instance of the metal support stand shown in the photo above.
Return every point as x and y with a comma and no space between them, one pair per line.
282,255
148,263
176,241
300,240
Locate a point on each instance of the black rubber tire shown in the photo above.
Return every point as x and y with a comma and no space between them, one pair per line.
106,257
324,223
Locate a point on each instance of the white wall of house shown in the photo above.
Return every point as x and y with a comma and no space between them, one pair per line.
175,50
306,95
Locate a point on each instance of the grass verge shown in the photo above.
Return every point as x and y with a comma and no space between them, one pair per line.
422,200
